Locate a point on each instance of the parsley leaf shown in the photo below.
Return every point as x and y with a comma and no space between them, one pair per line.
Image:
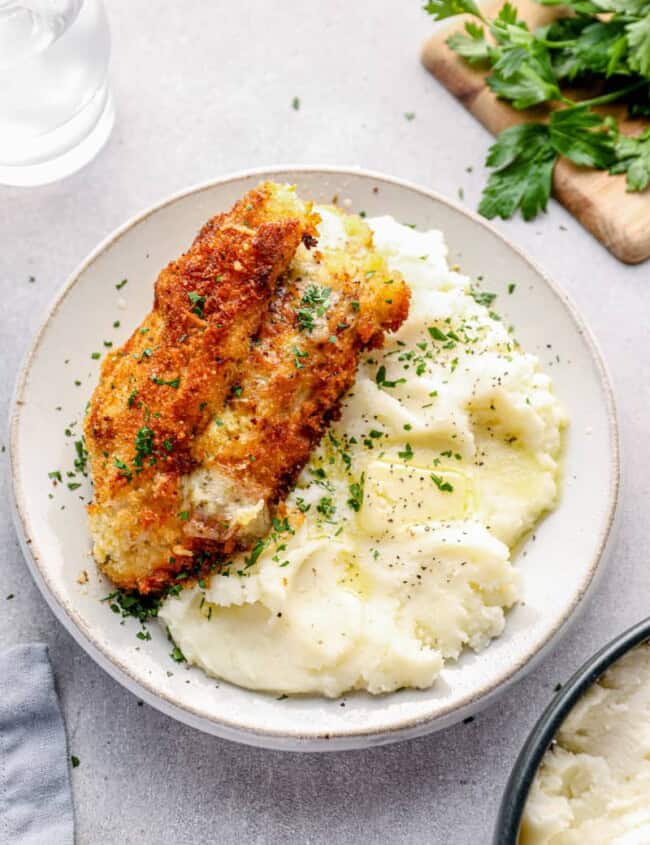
523,158
634,159
635,8
572,135
638,40
441,9
580,7
473,47
528,78
599,49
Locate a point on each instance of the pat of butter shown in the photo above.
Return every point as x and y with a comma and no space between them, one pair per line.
396,494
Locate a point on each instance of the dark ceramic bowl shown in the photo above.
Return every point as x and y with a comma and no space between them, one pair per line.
525,768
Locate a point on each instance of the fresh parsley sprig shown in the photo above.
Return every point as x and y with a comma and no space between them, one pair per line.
529,68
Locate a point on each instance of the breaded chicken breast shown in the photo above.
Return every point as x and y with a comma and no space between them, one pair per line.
163,388
243,450
333,304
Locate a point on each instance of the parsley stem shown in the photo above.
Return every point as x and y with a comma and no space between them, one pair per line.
615,95
556,44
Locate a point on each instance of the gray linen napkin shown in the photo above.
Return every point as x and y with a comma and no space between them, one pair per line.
35,798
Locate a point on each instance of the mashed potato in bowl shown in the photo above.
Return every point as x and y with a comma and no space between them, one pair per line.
395,553
593,785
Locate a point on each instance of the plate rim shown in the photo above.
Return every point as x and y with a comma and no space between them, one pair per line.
280,738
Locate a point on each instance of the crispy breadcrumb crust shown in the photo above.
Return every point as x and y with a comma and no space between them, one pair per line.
164,386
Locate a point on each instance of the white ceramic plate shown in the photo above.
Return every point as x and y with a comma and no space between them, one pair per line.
558,567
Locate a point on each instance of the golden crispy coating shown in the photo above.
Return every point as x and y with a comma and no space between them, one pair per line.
331,306
165,385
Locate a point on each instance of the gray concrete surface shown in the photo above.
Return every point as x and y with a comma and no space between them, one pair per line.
202,89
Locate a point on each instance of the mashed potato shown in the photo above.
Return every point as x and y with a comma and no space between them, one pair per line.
396,553
594,783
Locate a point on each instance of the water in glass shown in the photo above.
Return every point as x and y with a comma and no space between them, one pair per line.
56,111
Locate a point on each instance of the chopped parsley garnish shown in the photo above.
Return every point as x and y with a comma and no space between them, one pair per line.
305,319
407,454
302,506
177,655
511,287
482,297
140,607
436,334
74,760
326,507
295,103
96,356
356,493
175,382
256,551
382,381
55,475
132,397
441,484
298,354
184,516
314,303
121,284
143,446
198,303
282,525
81,461
125,472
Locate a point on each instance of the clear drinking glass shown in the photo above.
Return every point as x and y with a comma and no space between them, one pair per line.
56,111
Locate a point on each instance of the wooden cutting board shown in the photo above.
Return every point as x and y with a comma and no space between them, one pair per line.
619,219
